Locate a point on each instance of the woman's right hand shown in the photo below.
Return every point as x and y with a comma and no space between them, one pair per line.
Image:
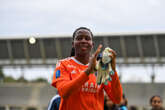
92,61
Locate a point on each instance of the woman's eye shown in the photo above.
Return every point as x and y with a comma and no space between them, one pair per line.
85,38
88,38
79,38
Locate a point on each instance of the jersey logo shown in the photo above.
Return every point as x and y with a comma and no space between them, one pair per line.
73,72
57,73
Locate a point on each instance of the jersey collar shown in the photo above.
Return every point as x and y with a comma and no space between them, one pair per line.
78,61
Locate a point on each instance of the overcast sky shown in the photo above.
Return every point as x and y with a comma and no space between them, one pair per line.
61,17
45,17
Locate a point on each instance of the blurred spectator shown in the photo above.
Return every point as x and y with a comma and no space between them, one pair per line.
54,103
123,104
156,103
108,104
132,107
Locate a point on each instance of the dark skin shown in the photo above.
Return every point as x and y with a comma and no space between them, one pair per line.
83,44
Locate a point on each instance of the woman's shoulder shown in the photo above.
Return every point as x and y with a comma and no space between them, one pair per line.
65,61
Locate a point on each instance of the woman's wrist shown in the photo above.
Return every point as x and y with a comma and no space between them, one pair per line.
87,71
114,70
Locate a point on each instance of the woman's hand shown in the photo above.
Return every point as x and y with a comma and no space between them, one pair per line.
92,61
113,57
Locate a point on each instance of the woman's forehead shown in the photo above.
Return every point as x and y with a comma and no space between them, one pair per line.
83,32
156,98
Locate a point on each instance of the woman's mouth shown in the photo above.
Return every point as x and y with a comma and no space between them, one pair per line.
84,48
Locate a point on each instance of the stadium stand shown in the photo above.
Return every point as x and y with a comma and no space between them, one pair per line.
132,48
23,96
20,96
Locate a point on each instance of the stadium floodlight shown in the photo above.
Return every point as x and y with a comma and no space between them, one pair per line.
32,40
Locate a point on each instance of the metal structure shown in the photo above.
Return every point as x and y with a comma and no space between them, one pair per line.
132,48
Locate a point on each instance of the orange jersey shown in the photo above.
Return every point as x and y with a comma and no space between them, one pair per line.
79,91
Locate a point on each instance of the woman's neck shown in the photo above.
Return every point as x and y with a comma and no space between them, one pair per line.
83,59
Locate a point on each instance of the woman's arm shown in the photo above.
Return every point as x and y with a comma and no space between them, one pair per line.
114,89
63,83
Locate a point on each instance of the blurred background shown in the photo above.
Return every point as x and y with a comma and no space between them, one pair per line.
35,34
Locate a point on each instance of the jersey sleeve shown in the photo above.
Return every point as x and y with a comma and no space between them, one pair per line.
114,89
63,82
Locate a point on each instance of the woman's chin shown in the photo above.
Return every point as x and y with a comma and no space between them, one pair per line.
84,50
